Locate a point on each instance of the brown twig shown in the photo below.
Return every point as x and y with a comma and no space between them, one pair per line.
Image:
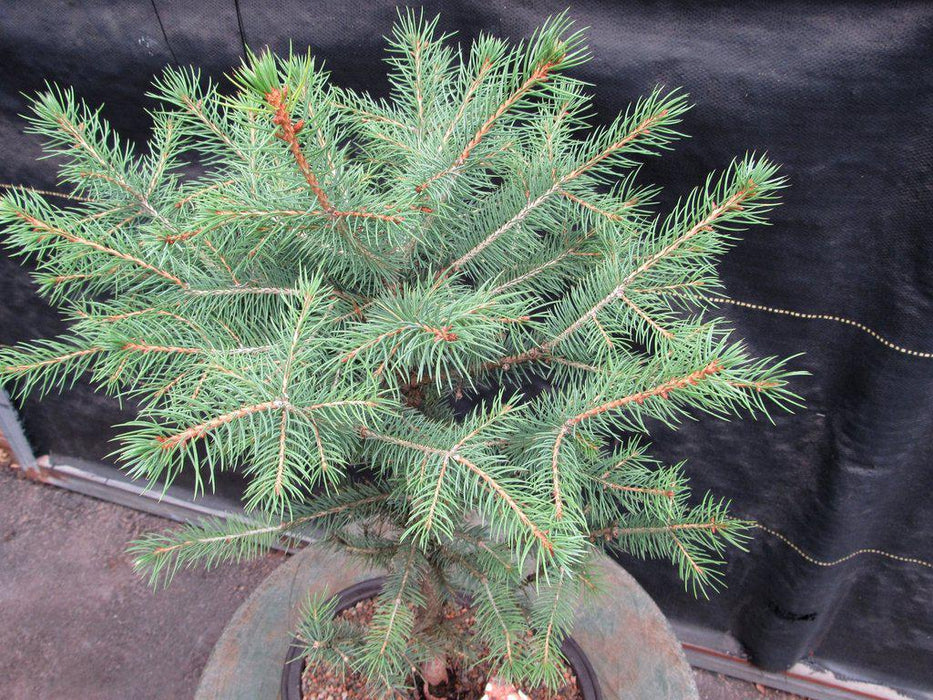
662,390
39,225
539,75
288,132
52,360
198,431
143,347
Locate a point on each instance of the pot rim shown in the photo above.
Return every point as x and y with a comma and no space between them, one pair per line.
348,597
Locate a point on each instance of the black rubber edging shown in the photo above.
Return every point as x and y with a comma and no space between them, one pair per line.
348,597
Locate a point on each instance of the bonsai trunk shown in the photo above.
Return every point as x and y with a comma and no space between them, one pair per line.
434,671
435,677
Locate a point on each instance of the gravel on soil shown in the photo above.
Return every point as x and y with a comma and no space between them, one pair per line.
321,683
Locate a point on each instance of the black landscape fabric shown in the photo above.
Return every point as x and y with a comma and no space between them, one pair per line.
840,93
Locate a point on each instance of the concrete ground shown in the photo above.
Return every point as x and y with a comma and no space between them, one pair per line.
76,622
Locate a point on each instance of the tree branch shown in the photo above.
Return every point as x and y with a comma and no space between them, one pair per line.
539,75
143,347
52,361
496,487
281,527
195,109
198,431
280,470
662,390
619,292
40,225
641,313
396,604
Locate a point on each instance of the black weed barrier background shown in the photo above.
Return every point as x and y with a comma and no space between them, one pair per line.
840,93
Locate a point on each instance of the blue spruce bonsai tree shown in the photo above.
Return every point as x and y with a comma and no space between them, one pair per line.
343,275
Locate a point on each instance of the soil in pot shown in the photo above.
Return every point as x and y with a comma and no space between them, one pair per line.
321,683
